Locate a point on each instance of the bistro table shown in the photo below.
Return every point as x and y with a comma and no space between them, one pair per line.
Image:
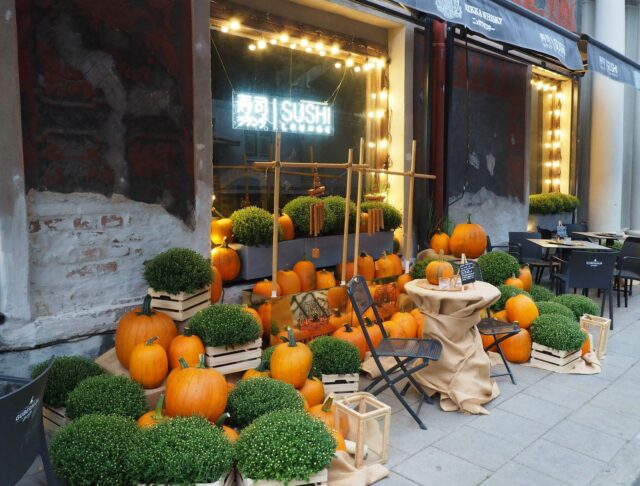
602,235
462,375
568,245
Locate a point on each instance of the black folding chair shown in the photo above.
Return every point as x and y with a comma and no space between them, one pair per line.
628,267
22,438
403,350
494,328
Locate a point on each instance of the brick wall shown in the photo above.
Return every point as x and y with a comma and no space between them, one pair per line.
561,12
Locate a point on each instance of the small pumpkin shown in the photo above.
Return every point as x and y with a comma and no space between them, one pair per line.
500,316
354,336
397,263
306,270
419,317
404,303
216,285
437,269
264,288
375,334
253,313
226,260
385,266
522,309
338,319
340,443
586,346
187,346
517,348
286,224
255,373
337,298
468,238
221,228
525,277
291,361
440,242
148,364
366,266
313,391
152,417
230,433
326,411
394,329
264,311
514,281
403,280
289,282
325,280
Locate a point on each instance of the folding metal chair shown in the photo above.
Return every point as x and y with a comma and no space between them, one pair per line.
495,328
403,350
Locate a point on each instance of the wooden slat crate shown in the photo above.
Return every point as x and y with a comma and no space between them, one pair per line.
182,306
553,360
318,479
228,481
233,359
340,385
54,417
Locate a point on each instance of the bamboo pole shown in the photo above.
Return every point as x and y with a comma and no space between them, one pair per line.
307,165
276,206
408,240
345,236
356,239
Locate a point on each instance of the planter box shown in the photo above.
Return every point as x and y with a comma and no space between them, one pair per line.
228,481
256,260
233,359
340,385
55,417
553,360
318,479
549,221
182,306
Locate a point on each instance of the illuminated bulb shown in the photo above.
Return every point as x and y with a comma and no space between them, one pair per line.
547,181
284,37
556,164
547,145
381,62
383,94
557,112
307,49
382,143
273,42
556,144
262,44
322,53
371,114
366,67
357,69
554,88
550,132
372,145
349,62
293,45
557,133
338,65
547,164
319,46
373,96
540,85
213,197
252,47
550,96
546,87
304,42
335,49
235,25
556,182
380,113
224,29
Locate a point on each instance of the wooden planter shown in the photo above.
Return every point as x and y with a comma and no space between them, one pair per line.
182,306
553,360
228,481
227,359
318,479
340,385
54,417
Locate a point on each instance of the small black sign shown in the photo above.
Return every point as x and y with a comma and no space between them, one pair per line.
467,273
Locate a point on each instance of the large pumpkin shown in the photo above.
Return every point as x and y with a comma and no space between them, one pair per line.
385,266
525,277
307,273
521,309
438,269
286,224
375,334
326,411
313,391
517,348
408,324
402,281
419,317
140,324
196,391
226,259
289,282
440,242
325,280
468,238
337,298
264,289
366,266
338,319
187,346
354,336
220,229
291,362
148,364
216,285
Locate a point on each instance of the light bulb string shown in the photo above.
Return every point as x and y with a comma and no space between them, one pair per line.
224,68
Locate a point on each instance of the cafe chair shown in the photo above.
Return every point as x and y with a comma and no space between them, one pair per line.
22,438
511,249
628,267
405,351
573,227
546,234
494,328
588,270
531,254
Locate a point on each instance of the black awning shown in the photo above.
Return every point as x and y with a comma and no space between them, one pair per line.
604,60
505,22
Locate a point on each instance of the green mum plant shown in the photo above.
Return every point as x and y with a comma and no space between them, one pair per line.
93,450
557,332
506,292
552,203
555,308
183,450
497,266
252,398
334,215
391,216
540,294
107,395
64,375
253,226
224,325
178,270
298,210
298,446
579,304
334,356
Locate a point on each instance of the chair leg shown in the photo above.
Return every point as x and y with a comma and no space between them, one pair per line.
504,360
610,306
618,290
602,305
627,289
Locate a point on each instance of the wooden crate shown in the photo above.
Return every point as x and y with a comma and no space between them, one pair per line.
182,306
553,360
340,385
602,326
228,481
318,479
54,418
233,359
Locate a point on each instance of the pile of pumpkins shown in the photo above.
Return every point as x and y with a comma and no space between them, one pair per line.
468,238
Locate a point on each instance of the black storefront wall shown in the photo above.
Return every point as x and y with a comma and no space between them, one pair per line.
612,64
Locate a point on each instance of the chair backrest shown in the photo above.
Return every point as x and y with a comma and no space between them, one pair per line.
21,426
591,269
361,301
545,233
527,249
573,227
630,248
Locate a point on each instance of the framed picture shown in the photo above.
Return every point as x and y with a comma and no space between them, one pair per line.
598,328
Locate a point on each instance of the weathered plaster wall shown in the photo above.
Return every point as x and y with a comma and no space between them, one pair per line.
562,12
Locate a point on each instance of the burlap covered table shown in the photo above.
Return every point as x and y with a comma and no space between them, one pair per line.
462,374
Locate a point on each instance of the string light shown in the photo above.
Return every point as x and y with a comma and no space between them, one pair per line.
234,24
252,47
224,29
547,164
383,143
304,42
293,45
371,145
380,113
371,114
262,44
381,62
338,65
273,42
307,49
357,69
284,37
547,181
335,49
321,53
319,46
349,62
383,94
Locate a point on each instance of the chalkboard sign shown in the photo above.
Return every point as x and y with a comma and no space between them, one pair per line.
561,231
467,273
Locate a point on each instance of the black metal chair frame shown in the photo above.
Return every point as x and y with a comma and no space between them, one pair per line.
357,287
628,281
623,272
538,265
493,327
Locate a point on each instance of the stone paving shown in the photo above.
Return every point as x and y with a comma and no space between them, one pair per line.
549,429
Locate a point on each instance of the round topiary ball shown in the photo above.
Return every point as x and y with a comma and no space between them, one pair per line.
284,446
224,325
106,395
497,266
93,450
579,304
252,398
506,292
253,226
178,270
64,375
557,332
555,308
183,450
334,356
391,216
540,294
334,215
298,210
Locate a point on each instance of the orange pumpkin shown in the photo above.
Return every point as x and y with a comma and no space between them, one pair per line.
255,373
326,411
286,224
307,273
289,282
525,277
216,285
402,281
325,280
440,242
385,266
517,348
354,336
256,317
340,444
140,324
419,318
148,364
375,334
394,329
230,387
221,228
521,309
437,269
264,289
397,263
348,275
337,298
226,260
338,319
586,346
187,346
500,316
196,391
154,416
408,324
468,238
513,281
366,266
264,311
313,391
291,361
230,433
